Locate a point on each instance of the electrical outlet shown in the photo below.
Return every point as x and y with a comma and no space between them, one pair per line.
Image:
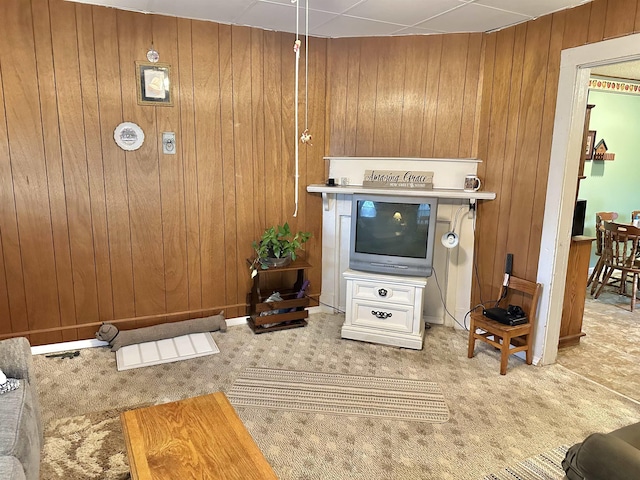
169,143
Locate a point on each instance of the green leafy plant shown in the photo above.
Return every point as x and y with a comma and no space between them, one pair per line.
278,242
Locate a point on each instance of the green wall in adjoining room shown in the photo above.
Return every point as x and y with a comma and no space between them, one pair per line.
613,186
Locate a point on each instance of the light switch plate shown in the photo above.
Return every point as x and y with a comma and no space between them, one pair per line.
169,143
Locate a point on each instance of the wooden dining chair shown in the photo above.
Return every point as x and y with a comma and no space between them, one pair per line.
620,253
503,336
601,218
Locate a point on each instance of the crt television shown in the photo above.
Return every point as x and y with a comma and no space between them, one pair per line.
393,234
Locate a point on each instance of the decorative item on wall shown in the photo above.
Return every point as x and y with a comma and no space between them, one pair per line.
154,84
398,179
589,147
152,55
601,152
129,136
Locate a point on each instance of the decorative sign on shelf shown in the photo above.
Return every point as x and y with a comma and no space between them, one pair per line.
398,179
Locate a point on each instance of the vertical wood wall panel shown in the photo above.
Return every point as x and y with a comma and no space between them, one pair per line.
620,19
227,237
415,82
597,20
95,167
114,164
28,168
432,96
74,160
142,173
187,148
55,174
171,171
11,294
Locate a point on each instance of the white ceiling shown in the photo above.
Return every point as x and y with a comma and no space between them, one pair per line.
355,18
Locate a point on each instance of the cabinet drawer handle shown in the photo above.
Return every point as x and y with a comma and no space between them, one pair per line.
382,292
381,314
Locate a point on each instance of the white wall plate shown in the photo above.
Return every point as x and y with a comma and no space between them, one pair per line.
128,136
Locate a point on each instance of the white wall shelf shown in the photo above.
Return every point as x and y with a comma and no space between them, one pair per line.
436,192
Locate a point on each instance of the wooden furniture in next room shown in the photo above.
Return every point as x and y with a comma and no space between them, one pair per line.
601,217
575,290
279,315
502,336
620,252
200,437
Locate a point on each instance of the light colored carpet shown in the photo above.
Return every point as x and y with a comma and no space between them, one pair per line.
495,420
339,394
546,466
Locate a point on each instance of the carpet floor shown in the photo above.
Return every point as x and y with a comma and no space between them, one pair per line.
495,421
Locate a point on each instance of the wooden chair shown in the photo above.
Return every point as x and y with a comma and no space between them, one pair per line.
503,336
601,218
620,252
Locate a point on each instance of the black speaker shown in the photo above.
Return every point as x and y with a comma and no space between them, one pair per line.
578,218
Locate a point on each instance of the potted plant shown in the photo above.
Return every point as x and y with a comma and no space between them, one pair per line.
277,247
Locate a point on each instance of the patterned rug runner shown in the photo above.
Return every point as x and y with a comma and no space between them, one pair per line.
546,466
335,393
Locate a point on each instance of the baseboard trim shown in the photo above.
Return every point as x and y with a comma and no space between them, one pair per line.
91,343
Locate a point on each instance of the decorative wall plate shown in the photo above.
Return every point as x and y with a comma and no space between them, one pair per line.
128,136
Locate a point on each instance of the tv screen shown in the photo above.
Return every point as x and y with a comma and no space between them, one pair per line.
392,234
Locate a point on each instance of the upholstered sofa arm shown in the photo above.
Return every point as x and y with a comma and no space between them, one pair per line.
602,457
15,358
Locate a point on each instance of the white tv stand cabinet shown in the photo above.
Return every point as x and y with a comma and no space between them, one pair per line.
384,309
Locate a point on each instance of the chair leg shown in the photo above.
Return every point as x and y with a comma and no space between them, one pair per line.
504,354
598,272
595,275
529,351
634,290
608,272
472,338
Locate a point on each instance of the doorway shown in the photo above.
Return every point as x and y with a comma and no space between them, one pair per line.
575,69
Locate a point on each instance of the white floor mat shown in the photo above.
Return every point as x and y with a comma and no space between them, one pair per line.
165,351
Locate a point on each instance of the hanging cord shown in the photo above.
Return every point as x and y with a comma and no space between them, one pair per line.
296,49
306,70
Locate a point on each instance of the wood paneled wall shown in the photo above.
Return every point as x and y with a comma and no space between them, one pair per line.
90,232
404,96
519,90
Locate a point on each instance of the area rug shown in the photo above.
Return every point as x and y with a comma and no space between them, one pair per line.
334,393
85,447
546,466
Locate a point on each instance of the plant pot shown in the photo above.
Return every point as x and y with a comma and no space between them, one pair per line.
270,262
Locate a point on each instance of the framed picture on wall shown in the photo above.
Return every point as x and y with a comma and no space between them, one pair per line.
591,141
154,84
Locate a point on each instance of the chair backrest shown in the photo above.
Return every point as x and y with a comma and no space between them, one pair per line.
528,288
601,218
621,245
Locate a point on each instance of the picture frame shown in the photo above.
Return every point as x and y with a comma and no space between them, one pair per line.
590,144
154,84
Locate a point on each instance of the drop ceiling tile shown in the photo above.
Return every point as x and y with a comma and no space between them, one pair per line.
473,18
332,6
280,17
217,10
345,26
404,12
416,31
533,9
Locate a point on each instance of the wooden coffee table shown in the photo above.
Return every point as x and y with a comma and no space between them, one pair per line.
199,438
